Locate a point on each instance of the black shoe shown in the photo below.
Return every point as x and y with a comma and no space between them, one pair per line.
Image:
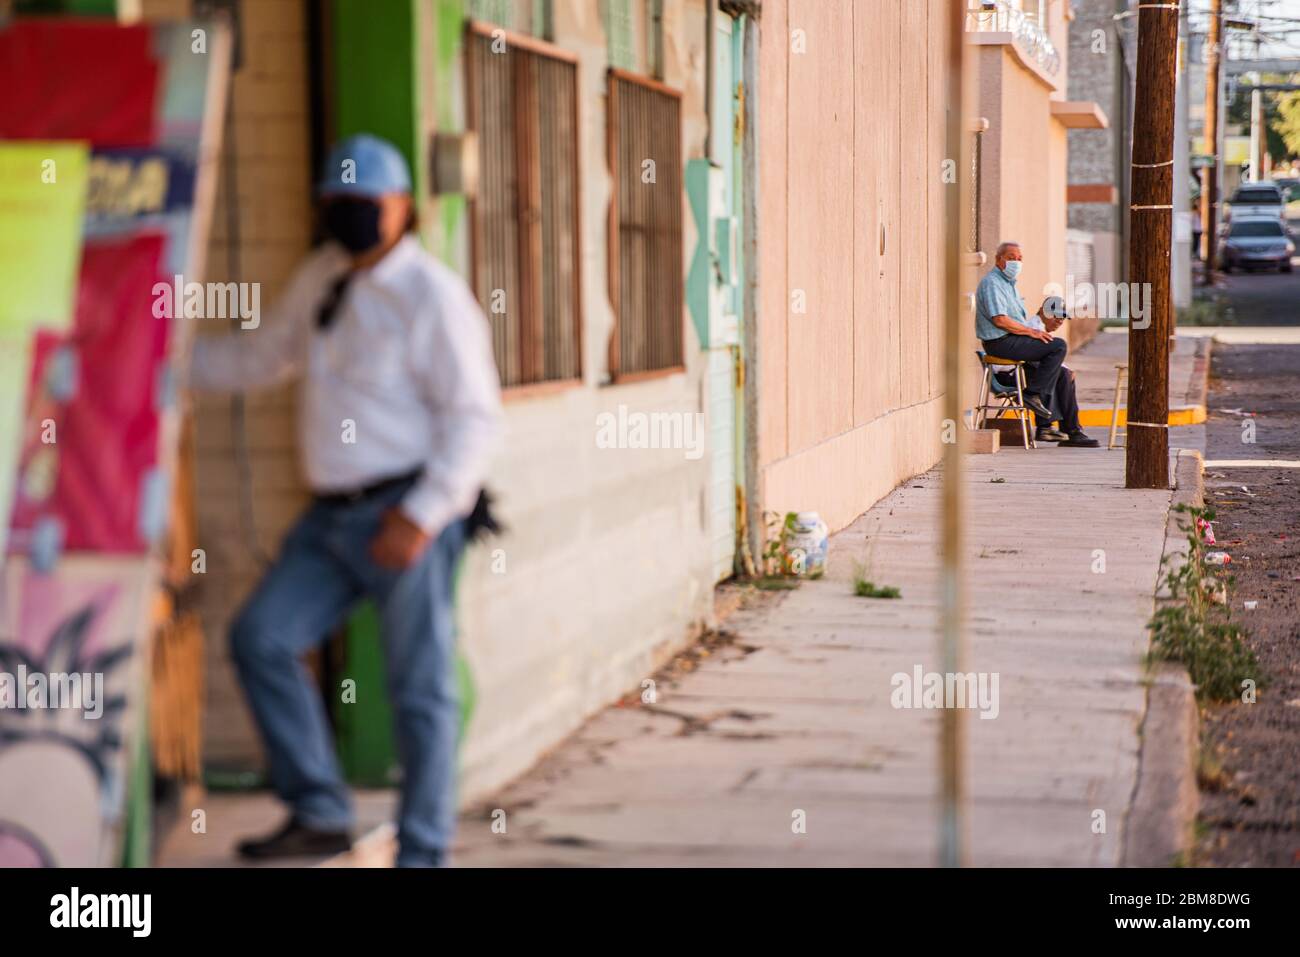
1035,405
1050,435
1079,440
296,840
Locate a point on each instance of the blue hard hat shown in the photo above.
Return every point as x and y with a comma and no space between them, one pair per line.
364,165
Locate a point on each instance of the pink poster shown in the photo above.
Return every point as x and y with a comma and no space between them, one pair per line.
90,452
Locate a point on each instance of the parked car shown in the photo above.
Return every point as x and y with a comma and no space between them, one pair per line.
1259,242
1290,187
1255,200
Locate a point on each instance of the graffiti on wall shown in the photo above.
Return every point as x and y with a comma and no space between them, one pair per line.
66,676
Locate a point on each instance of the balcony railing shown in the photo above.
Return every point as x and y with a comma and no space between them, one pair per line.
999,16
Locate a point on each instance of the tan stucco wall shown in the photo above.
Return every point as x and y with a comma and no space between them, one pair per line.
1030,178
850,144
1026,153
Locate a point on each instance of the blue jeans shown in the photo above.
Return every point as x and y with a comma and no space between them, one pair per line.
324,568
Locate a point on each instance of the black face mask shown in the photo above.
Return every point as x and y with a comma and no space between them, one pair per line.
354,223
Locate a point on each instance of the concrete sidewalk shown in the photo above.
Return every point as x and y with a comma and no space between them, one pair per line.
795,716
1094,366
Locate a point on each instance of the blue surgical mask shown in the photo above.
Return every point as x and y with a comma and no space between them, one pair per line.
1012,268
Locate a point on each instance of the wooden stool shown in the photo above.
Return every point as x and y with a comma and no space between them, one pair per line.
1121,385
1007,401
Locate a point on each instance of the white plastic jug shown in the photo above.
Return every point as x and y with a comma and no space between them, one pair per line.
805,542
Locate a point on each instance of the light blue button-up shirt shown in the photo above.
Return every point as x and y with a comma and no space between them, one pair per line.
996,295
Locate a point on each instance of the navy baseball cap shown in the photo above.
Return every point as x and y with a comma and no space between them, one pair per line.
364,165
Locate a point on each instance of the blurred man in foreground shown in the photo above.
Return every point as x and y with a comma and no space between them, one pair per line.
399,413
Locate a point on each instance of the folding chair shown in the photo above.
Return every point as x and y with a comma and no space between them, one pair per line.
1001,399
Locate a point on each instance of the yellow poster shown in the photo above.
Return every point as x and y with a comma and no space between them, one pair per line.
42,203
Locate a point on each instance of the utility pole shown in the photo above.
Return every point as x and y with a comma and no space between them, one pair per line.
1146,461
1209,174
1182,262
1257,137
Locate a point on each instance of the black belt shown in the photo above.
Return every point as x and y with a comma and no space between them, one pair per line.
368,492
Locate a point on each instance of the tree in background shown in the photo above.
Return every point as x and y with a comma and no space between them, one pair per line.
1239,115
1286,123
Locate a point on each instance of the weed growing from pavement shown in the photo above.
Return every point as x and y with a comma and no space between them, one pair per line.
869,589
1194,626
1210,775
773,524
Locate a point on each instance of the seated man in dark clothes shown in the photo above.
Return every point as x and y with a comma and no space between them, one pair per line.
1064,403
1002,325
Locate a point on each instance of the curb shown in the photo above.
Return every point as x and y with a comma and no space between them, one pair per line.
1159,828
1178,415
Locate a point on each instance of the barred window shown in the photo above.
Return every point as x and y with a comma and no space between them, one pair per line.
524,222
645,228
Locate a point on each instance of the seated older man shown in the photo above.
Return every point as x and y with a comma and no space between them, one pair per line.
1007,332
1064,402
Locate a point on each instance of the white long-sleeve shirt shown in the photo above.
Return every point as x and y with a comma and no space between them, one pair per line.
402,378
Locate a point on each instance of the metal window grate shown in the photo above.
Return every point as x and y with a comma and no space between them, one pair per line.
524,222
645,231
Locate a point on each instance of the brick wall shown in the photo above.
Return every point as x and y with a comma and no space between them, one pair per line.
1094,75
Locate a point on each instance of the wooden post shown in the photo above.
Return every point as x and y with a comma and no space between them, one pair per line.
1258,134
1210,173
956,206
1146,462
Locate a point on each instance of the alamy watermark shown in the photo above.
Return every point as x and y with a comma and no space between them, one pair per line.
651,430
933,690
131,912
179,299
1106,300
56,690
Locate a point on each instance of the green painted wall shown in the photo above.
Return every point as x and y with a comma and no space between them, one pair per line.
375,80
80,8
374,91
450,26
617,17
